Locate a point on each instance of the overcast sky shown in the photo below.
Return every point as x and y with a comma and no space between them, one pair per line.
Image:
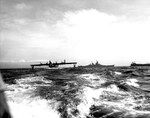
110,31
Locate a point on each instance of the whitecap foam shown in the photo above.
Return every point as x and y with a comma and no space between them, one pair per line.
132,82
23,103
87,100
93,79
37,108
117,73
110,97
92,97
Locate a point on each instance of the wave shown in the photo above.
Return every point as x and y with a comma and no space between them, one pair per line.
23,103
80,96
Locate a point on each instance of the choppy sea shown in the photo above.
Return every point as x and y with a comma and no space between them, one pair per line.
79,93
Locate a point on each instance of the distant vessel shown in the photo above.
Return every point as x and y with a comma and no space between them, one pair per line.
135,64
99,65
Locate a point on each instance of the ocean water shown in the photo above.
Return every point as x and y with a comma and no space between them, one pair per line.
104,93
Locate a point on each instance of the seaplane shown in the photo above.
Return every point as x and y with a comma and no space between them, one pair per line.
51,64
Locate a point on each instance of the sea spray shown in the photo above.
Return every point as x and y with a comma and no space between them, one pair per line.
23,103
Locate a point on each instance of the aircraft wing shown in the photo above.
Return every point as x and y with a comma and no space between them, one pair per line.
64,63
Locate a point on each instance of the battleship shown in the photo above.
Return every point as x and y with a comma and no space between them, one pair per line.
97,64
